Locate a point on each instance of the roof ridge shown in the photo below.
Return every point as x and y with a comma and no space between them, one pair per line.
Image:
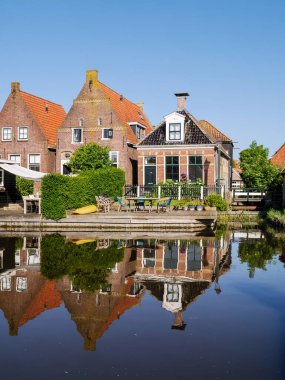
196,121
278,149
39,97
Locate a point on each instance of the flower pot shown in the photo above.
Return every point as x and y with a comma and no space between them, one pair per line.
199,208
191,208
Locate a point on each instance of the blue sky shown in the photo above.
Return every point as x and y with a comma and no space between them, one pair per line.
228,54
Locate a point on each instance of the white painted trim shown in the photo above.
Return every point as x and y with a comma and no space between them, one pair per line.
143,249
137,123
2,181
3,134
34,154
15,154
114,151
76,142
172,147
23,139
107,138
175,118
143,157
178,254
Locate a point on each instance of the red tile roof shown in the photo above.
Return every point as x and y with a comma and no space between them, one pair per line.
214,133
278,159
127,112
47,298
48,115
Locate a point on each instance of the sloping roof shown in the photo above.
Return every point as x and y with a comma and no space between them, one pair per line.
214,132
48,115
278,158
194,134
127,112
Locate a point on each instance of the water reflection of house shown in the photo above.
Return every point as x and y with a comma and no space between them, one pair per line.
93,313
178,271
24,292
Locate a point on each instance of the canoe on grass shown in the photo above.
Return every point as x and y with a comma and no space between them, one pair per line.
86,210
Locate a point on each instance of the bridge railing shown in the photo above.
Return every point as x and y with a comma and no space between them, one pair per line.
248,195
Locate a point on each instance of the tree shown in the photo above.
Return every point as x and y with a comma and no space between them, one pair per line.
89,157
257,170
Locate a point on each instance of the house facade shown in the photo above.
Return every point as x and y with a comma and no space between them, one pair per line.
28,126
183,148
101,115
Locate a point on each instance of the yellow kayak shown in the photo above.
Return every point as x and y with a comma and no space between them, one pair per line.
86,210
83,241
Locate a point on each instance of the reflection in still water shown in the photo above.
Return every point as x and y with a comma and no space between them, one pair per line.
99,280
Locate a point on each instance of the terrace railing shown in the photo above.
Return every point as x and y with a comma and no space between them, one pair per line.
176,191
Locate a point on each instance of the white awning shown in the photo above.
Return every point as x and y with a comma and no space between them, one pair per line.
22,172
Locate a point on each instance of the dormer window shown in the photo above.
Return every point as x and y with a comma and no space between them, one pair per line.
175,127
81,122
139,130
174,131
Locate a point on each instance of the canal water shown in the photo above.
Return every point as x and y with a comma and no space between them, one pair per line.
142,307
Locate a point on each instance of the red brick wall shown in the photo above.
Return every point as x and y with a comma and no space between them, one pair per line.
16,114
183,153
90,106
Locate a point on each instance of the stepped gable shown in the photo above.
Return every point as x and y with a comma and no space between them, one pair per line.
127,112
214,133
278,159
194,134
47,114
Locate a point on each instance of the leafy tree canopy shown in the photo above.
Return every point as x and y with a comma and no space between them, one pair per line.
89,157
257,170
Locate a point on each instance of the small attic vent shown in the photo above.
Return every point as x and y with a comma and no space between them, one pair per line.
121,98
90,85
46,107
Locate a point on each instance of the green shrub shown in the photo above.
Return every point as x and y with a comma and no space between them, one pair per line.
61,193
216,200
24,186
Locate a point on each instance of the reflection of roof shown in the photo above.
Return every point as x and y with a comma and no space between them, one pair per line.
278,158
48,115
236,175
126,111
47,298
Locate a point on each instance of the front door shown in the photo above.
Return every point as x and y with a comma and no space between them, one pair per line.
149,175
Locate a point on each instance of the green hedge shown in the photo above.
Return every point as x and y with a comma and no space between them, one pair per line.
61,193
24,186
216,200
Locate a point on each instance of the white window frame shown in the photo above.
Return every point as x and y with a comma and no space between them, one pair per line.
107,129
175,118
8,129
15,155
1,177
3,284
139,130
34,154
110,155
144,259
77,142
23,138
21,284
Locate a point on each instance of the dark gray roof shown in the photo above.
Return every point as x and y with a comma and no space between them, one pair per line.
193,133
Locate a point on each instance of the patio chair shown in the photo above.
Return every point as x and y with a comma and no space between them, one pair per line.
103,204
122,203
140,203
164,205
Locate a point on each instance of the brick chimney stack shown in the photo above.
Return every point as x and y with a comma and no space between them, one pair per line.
92,77
15,87
181,100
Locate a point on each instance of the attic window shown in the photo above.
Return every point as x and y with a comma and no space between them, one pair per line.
81,122
90,85
138,130
99,121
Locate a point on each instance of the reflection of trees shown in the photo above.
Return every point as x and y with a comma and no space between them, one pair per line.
256,253
86,266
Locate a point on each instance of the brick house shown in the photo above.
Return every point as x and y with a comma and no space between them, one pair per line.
101,115
278,158
28,126
181,146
